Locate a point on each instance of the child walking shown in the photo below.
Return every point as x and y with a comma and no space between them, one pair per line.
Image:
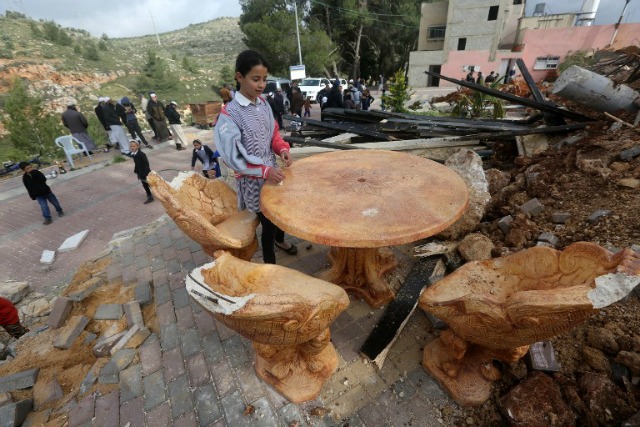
38,189
307,107
209,159
142,168
248,139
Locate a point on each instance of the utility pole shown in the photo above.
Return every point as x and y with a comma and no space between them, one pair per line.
615,31
154,28
295,9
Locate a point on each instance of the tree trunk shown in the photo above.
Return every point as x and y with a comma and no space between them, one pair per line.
335,69
327,14
356,58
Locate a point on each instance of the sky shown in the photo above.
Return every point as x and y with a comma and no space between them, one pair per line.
127,18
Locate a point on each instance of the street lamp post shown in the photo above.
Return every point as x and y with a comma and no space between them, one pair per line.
295,9
615,31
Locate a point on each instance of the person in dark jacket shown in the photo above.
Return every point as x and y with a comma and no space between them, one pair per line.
100,115
278,103
112,117
297,101
36,184
77,124
157,111
335,97
208,158
132,121
176,125
141,168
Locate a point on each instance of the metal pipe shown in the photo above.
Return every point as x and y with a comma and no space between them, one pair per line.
295,9
615,31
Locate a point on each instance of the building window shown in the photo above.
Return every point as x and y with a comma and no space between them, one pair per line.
436,32
546,63
493,13
517,1
462,43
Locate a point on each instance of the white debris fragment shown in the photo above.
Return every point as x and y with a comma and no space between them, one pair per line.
611,288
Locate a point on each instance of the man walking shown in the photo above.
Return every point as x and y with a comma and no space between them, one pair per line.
132,121
36,184
144,102
77,124
100,115
112,119
176,126
156,109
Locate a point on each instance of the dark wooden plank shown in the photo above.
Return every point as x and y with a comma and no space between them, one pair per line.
530,131
315,142
515,99
425,271
549,118
359,129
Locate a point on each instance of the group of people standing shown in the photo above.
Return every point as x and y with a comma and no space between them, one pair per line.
491,78
355,97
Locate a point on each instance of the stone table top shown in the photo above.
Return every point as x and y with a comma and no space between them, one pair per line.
365,199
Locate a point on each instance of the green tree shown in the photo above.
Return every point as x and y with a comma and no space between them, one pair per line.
102,45
90,51
188,65
155,75
398,93
31,130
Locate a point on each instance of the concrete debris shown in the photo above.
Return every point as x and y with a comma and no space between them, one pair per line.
73,242
560,217
61,309
71,331
19,381
48,257
109,312
532,208
505,224
595,217
14,291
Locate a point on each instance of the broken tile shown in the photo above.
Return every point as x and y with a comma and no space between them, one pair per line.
73,242
45,392
14,414
87,288
108,312
542,357
48,257
61,309
143,293
71,331
133,314
19,381
133,338
104,346
533,207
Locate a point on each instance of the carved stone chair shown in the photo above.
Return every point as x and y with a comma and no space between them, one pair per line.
285,313
206,210
496,308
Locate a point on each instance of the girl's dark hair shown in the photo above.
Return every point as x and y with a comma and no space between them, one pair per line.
249,59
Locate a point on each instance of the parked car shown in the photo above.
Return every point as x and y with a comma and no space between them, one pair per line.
275,83
312,85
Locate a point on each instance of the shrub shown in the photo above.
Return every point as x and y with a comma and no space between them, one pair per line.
398,93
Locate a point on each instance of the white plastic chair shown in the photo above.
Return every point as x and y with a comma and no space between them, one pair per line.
71,146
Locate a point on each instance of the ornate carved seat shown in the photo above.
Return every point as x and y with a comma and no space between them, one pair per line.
496,308
206,210
285,313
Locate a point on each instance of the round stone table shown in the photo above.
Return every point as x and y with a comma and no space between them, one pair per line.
359,202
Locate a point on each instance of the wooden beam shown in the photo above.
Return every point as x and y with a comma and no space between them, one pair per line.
360,129
532,131
549,118
318,143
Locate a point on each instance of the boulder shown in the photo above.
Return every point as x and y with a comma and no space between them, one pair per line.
14,291
536,402
629,182
607,403
497,180
468,165
631,360
596,359
476,247
604,340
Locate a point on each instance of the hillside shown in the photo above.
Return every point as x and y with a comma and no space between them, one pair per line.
87,67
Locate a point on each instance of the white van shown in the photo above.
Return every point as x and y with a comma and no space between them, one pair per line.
312,85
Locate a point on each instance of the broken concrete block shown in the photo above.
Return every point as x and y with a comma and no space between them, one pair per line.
110,373
505,224
73,242
595,217
61,309
37,308
629,182
530,145
90,378
45,392
104,346
87,289
19,381
14,291
71,331
133,314
549,238
89,338
108,312
143,293
115,328
14,414
630,153
533,207
133,338
560,217
48,257
37,419
542,357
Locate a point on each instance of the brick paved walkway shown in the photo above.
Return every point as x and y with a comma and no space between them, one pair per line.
194,370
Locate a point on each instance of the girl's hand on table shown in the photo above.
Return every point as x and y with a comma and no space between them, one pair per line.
275,176
286,156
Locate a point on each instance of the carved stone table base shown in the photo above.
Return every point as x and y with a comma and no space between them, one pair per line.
298,371
359,271
466,370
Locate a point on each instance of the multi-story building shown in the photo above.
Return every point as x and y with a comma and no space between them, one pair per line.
457,36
